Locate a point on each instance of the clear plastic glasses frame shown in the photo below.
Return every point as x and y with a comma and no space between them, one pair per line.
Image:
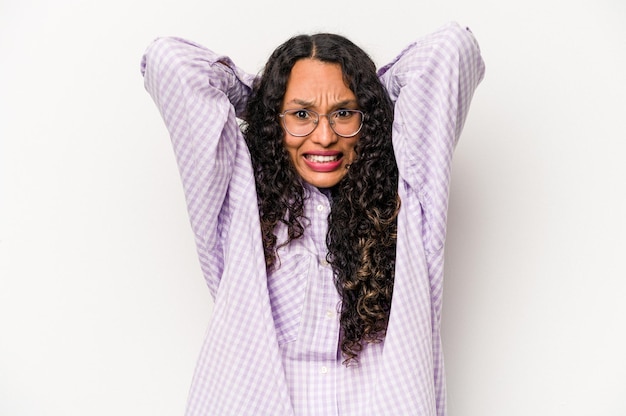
302,122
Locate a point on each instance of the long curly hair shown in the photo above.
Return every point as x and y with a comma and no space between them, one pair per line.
362,228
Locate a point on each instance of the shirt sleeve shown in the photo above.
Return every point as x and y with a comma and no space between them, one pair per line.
431,84
200,94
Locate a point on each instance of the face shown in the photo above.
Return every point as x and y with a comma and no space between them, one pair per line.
322,158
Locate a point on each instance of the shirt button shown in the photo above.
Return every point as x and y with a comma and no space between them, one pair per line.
320,207
324,370
323,262
330,313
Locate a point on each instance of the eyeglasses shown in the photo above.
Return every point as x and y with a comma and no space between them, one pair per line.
300,123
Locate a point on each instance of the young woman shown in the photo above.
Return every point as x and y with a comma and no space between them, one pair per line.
320,221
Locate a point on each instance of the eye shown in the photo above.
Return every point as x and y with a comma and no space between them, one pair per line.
301,114
343,114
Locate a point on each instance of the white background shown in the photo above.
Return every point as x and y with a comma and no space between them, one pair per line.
102,304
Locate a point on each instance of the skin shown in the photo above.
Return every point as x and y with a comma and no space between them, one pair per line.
319,86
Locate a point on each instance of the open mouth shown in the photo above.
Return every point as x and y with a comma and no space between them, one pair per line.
323,159
324,163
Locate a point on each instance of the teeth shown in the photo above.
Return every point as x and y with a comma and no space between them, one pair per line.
321,159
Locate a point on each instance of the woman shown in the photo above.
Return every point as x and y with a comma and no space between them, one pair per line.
319,234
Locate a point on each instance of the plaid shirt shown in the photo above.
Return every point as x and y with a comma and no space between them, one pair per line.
272,345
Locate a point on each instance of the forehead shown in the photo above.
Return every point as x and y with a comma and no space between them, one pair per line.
312,80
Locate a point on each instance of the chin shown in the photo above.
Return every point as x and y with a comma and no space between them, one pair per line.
323,182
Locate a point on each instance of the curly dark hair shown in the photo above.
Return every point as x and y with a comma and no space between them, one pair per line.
362,229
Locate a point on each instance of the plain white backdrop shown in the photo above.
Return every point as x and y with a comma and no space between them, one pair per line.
102,304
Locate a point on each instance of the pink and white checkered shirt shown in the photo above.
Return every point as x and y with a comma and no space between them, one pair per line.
272,344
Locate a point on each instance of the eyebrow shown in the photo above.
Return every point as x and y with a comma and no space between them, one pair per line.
306,104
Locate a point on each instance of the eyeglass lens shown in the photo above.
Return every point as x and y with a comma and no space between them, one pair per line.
346,123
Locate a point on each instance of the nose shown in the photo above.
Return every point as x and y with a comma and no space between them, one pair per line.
323,134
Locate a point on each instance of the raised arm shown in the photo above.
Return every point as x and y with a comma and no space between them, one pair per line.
432,83
199,95
175,67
